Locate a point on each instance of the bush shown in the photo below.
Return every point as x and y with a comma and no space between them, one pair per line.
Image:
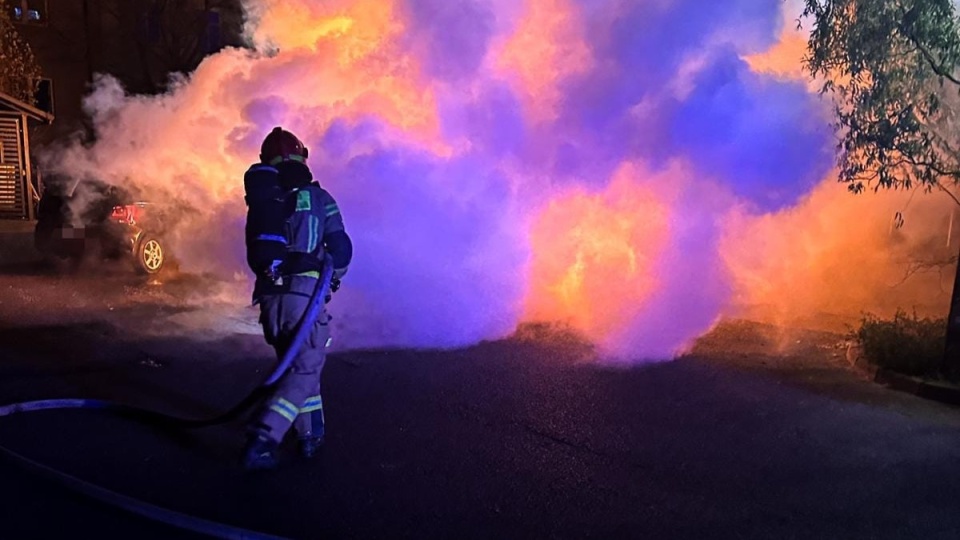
906,344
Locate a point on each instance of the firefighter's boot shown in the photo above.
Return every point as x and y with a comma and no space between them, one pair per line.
311,431
310,446
260,453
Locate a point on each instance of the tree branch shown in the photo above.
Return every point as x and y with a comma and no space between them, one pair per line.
937,67
934,167
914,267
948,192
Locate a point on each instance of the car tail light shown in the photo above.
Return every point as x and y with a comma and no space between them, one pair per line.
126,213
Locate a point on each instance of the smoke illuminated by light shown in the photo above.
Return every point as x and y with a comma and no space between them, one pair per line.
785,58
595,255
634,169
546,48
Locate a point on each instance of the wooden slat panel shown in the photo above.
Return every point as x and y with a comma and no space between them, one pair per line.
12,180
11,191
10,140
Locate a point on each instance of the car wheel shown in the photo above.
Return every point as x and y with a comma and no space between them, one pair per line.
150,256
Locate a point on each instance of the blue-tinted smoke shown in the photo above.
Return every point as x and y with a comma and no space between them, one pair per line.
442,228
441,242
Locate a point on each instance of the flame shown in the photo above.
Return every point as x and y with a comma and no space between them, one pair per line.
595,254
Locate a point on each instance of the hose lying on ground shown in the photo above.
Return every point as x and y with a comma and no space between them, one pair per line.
130,504
304,328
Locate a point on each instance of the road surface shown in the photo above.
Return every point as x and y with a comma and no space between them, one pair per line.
522,438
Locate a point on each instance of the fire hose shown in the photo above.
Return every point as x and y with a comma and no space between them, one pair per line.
142,508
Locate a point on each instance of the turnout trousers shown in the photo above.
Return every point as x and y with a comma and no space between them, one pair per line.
295,400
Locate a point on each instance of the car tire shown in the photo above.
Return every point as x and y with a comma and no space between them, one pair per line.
150,255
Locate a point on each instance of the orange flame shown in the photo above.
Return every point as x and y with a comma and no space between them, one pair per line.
594,255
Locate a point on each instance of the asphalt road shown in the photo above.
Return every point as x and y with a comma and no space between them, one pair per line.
524,438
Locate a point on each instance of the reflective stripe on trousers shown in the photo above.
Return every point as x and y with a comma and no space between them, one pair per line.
295,400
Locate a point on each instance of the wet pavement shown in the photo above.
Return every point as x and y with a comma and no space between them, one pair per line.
522,438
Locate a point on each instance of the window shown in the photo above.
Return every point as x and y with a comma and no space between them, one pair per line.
29,11
44,96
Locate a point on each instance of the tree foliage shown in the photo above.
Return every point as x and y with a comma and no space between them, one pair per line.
891,66
19,71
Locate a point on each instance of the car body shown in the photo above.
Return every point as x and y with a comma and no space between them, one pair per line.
79,219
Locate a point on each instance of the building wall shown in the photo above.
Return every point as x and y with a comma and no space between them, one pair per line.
14,173
60,42
137,41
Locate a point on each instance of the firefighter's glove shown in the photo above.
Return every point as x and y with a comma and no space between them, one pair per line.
334,287
272,272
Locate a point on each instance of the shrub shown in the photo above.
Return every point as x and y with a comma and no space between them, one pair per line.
906,344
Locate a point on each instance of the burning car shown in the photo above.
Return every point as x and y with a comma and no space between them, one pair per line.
90,217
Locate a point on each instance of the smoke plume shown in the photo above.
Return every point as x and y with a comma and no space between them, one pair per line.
635,169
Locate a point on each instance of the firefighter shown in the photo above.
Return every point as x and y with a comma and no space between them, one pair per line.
291,223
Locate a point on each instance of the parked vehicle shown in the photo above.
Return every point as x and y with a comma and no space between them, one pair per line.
79,219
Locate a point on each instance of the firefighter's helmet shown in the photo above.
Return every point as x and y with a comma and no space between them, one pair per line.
281,145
